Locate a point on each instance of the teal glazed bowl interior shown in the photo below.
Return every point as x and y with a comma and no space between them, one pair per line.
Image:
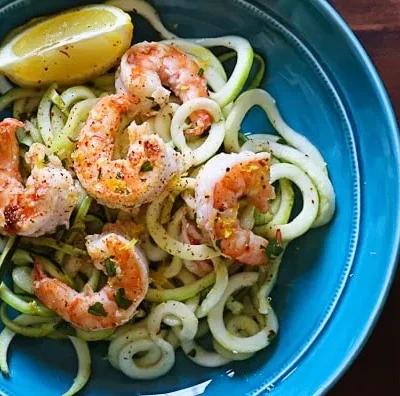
334,280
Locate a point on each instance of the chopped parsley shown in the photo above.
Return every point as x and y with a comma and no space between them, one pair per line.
274,249
121,300
46,159
97,309
118,176
110,266
146,167
200,73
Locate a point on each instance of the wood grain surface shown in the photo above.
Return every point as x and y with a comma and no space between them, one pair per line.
377,369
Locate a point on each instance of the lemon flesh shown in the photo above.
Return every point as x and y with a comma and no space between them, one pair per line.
68,48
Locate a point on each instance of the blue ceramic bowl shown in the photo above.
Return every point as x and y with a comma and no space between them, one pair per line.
333,280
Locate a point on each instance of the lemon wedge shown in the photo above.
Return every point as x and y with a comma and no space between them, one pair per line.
68,48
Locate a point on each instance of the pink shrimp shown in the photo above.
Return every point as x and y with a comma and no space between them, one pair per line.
109,307
49,195
147,67
122,183
223,181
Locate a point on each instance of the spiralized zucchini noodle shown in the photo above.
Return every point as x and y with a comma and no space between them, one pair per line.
195,290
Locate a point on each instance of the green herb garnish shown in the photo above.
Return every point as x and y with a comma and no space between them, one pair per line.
274,249
121,300
118,176
200,72
110,266
46,159
146,167
97,309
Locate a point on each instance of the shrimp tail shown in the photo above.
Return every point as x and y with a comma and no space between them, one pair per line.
146,68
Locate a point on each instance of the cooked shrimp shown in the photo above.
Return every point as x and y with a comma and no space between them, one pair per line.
191,235
109,307
223,181
122,183
49,195
147,67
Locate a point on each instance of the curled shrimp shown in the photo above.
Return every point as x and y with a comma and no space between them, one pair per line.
109,307
223,181
49,195
147,67
122,183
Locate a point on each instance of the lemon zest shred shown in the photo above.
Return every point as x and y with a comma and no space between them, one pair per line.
115,184
251,168
129,245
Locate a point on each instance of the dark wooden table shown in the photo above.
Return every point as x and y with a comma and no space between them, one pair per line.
377,369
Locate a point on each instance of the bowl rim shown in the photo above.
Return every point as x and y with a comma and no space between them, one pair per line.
368,326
